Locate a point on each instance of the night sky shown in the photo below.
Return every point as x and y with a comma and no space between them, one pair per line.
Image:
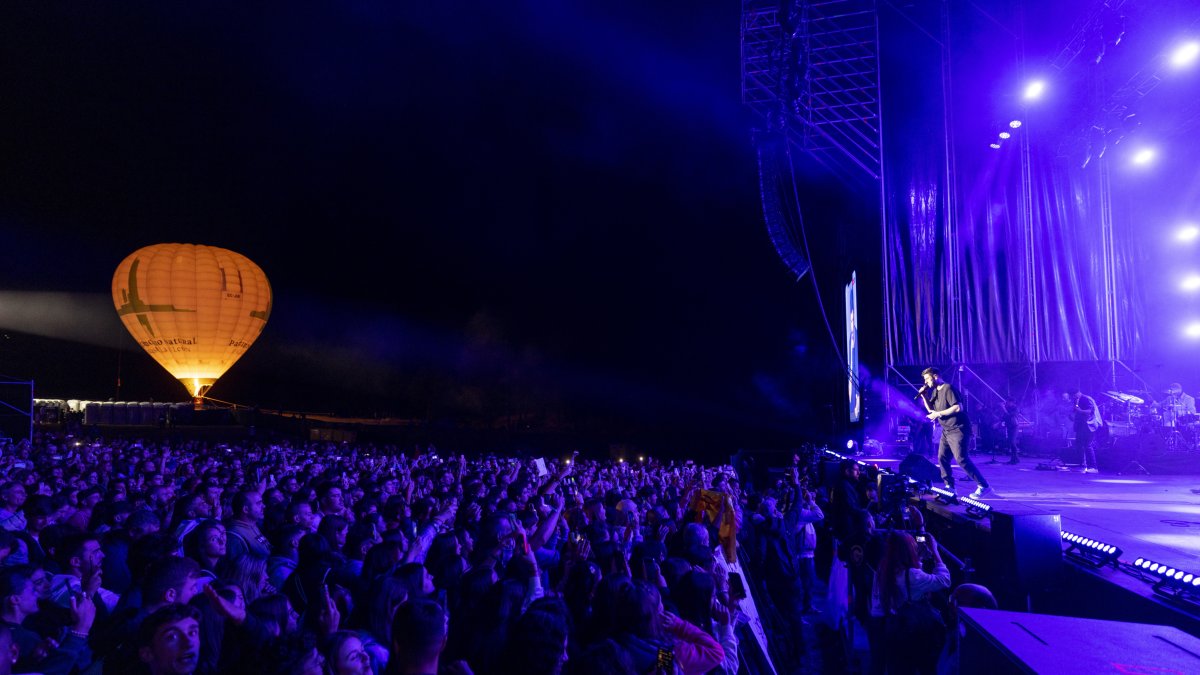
466,210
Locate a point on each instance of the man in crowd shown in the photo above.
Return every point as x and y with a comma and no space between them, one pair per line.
169,640
242,530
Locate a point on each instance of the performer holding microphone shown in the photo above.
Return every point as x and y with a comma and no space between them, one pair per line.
943,404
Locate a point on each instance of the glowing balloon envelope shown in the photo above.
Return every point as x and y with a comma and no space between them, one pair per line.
195,309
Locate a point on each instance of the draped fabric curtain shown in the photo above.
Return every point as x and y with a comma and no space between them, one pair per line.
995,256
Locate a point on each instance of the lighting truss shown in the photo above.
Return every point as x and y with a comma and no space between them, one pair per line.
1090,551
811,70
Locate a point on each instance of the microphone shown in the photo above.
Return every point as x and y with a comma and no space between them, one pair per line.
920,392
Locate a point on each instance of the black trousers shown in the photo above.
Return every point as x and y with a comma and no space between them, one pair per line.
954,442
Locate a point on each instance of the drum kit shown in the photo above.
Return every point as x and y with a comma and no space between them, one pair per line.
1169,418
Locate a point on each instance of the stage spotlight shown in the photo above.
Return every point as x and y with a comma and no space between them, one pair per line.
1171,582
1188,233
1090,551
944,496
1192,330
976,508
1185,54
1015,124
1190,283
1144,156
994,146
850,444
1005,135
1034,90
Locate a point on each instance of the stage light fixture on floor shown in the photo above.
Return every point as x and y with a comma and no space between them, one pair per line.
944,496
1090,551
975,508
1034,90
1185,55
1169,581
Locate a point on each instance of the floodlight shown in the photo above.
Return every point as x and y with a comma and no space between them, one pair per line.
1192,330
1185,54
976,508
1092,552
1034,90
944,496
1190,282
1188,232
1144,156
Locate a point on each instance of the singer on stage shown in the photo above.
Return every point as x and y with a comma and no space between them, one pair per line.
944,405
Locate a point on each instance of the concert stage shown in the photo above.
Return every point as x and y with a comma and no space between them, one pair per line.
1150,516
1146,516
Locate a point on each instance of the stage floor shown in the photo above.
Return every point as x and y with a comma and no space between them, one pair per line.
1156,517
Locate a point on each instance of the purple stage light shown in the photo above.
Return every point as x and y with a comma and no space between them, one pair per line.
1144,156
850,444
1034,90
1192,330
1190,282
1185,54
1005,135
1015,124
994,146
1188,233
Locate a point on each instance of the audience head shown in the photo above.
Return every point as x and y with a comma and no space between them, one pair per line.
169,580
345,655
419,630
169,640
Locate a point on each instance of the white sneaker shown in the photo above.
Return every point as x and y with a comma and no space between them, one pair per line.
981,491
1091,469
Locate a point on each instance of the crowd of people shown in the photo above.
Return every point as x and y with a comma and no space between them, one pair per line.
133,556
888,577
122,556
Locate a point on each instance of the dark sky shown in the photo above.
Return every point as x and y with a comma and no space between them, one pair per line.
465,209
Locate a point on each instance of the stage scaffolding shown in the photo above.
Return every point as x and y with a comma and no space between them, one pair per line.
810,71
815,75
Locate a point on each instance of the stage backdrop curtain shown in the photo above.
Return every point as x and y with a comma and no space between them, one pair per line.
977,270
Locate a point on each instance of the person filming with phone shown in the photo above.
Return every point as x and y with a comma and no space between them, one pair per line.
913,630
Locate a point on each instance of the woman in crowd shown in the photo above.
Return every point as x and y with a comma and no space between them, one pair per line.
913,630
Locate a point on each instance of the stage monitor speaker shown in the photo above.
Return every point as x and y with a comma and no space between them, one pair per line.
830,472
1026,552
999,642
920,469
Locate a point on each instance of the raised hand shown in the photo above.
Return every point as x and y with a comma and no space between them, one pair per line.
329,615
84,612
226,608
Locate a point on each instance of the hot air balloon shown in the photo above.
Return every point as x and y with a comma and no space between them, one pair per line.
195,309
